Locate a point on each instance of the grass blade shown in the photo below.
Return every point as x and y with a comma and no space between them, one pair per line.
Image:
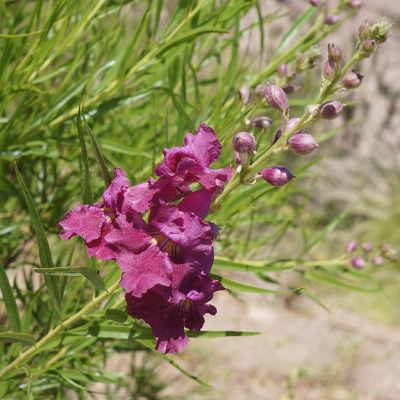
22,338
88,273
46,259
9,301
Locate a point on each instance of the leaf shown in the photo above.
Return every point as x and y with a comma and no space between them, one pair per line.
45,256
241,287
246,265
217,334
99,157
188,37
295,28
22,338
9,300
150,345
88,273
327,277
87,195
330,227
179,107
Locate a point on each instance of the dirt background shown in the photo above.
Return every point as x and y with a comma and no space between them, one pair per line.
307,352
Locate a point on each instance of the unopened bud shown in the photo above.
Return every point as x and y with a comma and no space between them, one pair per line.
277,176
244,142
214,230
302,143
315,3
329,70
245,94
260,90
289,89
358,262
356,3
351,246
277,99
367,247
331,19
262,122
291,75
335,53
367,48
282,69
378,260
330,109
363,31
352,80
290,125
380,30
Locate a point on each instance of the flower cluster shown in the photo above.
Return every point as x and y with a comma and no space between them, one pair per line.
166,261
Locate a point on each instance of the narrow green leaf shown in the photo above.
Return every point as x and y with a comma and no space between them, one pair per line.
179,107
88,273
295,28
329,228
217,334
231,127
241,287
22,338
87,195
339,281
150,345
4,35
188,37
9,300
99,157
245,265
46,259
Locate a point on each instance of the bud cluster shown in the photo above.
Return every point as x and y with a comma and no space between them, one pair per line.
370,36
385,252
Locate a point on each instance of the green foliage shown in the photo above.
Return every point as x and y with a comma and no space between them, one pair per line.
142,88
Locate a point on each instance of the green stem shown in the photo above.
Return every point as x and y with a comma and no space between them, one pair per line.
54,332
279,145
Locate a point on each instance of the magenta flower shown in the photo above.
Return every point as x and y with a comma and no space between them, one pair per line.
191,163
174,241
184,307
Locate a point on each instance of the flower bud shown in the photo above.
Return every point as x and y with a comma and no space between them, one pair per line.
367,48
352,80
290,125
335,53
356,3
380,30
262,122
351,246
276,176
244,142
282,69
302,143
214,230
245,93
329,70
358,262
367,247
291,75
378,260
260,90
331,19
363,31
330,109
277,99
289,89
315,3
